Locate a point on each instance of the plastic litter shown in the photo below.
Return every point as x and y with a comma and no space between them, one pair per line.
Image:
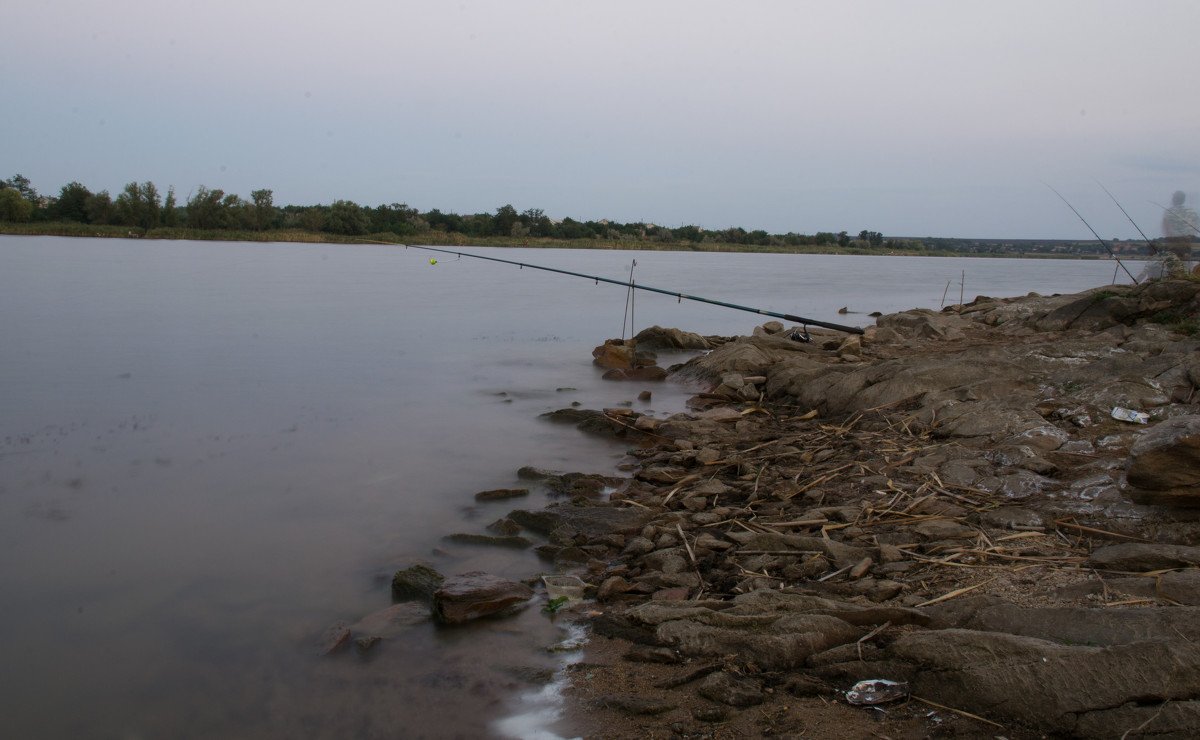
876,691
1136,417
570,587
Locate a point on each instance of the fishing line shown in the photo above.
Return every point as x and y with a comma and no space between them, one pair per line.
1102,242
633,286
628,297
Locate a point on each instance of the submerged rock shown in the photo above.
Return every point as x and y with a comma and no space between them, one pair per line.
335,637
499,494
467,538
416,582
477,594
390,622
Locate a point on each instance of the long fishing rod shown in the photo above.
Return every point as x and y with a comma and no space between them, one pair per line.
1153,249
632,285
1085,223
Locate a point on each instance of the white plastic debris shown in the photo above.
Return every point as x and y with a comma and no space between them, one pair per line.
569,586
876,691
1136,417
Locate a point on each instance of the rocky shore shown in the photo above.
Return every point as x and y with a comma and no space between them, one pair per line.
962,506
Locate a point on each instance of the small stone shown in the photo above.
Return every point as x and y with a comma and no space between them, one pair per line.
611,588
735,692
416,582
638,546
647,654
504,527
710,714
500,494
860,569
943,529
466,538
676,593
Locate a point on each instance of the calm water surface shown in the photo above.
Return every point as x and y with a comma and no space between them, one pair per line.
211,451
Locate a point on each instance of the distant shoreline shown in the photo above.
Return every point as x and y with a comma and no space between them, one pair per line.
453,239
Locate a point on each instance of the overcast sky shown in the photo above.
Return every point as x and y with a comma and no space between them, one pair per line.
943,118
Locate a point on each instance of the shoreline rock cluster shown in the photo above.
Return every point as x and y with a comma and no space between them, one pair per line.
953,502
959,506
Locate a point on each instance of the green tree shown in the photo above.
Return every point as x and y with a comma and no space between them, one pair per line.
138,205
346,217
538,223
99,208
71,204
264,208
505,217
481,224
439,221
207,210
313,218
20,183
874,238
170,211
13,207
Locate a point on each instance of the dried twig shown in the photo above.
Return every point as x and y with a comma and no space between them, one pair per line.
1092,530
871,634
956,711
956,592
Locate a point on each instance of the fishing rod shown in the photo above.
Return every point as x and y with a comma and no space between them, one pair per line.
1153,249
632,285
1085,223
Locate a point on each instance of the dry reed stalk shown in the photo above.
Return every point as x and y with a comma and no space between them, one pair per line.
800,523
777,553
1092,530
957,711
871,634
956,592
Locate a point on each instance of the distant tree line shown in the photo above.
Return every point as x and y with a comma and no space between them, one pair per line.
142,206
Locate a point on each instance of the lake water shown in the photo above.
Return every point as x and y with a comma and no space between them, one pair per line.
209,452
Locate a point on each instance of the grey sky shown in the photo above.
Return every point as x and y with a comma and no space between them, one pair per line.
910,118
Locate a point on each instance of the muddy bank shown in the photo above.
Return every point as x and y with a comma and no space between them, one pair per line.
962,503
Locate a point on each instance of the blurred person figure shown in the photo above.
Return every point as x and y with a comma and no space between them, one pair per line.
1179,228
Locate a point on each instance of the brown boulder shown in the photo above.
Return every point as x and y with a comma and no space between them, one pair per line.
1164,464
614,353
656,337
1138,557
476,594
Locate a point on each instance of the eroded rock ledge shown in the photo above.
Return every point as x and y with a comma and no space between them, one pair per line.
947,501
